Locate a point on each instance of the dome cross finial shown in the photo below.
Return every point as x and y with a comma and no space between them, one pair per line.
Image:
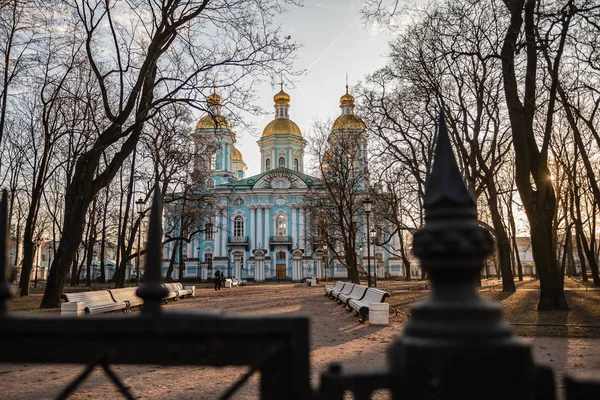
346,83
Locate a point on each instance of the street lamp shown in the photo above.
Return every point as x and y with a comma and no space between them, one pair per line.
325,259
140,205
367,204
373,237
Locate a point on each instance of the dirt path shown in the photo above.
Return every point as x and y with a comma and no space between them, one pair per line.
335,336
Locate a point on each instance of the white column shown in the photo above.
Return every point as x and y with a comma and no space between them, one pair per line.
224,233
251,228
294,230
261,239
302,235
267,227
217,236
268,234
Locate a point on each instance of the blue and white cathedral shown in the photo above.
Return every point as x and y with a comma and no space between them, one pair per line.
261,229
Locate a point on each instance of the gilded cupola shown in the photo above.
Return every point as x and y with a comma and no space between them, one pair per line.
348,121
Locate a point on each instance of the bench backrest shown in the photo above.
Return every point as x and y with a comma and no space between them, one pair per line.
338,286
172,287
358,292
124,293
94,297
348,288
375,296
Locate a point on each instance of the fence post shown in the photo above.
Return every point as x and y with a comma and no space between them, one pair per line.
456,343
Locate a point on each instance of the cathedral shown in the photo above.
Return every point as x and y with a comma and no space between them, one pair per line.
261,227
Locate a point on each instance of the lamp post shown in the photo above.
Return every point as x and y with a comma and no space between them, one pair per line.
140,205
373,237
367,204
325,260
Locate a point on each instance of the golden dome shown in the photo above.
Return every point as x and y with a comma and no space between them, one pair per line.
214,99
282,98
212,122
348,121
282,126
347,99
237,155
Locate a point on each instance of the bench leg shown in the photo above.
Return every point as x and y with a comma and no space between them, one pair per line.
363,315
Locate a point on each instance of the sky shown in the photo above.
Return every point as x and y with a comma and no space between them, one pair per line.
335,42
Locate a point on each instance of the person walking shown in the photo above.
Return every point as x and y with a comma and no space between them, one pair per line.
218,276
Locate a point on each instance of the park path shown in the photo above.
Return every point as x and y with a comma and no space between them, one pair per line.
335,336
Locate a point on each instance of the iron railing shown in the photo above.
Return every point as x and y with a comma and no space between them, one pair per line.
454,346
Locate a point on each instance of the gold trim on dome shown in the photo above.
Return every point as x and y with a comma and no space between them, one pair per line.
282,97
348,121
282,126
237,155
212,122
214,100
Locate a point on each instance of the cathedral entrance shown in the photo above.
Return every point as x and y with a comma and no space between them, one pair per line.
280,266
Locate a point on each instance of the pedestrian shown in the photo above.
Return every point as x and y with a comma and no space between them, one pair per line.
218,276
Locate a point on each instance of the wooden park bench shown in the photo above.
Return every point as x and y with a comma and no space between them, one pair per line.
357,293
330,288
128,295
361,306
96,302
345,290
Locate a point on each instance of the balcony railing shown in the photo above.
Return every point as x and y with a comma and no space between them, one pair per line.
237,240
281,240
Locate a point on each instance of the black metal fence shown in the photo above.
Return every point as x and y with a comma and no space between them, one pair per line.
455,345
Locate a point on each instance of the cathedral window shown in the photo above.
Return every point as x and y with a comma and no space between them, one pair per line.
281,225
268,164
280,255
238,226
213,161
208,258
238,202
210,183
281,162
209,234
296,164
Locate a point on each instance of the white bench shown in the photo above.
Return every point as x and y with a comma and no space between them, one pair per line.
345,290
361,306
176,291
237,282
96,302
128,295
357,293
330,288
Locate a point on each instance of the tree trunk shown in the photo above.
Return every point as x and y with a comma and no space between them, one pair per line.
581,255
538,197
91,243
508,282
126,249
169,276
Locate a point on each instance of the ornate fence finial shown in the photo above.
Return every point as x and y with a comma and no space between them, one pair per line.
455,340
4,251
151,290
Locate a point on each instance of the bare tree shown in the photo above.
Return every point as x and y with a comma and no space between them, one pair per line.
162,56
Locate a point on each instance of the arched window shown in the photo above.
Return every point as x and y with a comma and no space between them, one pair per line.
238,226
281,224
210,183
268,164
296,164
208,257
213,161
280,255
281,162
